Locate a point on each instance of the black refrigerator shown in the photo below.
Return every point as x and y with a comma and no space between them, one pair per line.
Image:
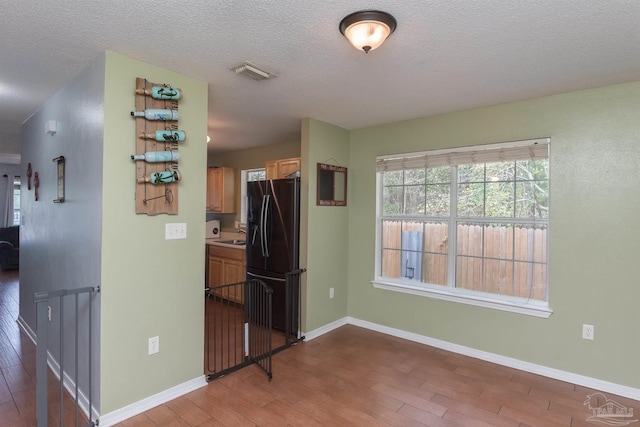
273,235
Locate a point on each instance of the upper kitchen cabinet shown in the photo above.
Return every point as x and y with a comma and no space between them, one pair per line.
220,190
277,169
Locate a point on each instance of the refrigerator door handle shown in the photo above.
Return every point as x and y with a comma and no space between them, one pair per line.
267,221
253,236
258,276
262,225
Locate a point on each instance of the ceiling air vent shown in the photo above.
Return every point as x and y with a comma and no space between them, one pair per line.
249,70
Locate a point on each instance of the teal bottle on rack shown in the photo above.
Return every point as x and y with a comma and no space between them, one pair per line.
157,156
165,135
164,177
154,114
161,92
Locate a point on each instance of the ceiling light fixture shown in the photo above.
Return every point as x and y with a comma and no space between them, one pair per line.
367,29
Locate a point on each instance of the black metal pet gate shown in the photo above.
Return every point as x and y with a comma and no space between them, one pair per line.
239,329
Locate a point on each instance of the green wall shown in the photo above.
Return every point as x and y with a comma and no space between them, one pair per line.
324,229
150,286
595,200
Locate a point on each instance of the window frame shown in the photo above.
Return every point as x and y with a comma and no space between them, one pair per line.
527,306
16,194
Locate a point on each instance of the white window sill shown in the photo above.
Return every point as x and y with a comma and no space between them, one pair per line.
514,305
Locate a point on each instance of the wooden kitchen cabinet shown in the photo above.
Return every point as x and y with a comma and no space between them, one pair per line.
235,272
220,190
215,270
226,266
277,169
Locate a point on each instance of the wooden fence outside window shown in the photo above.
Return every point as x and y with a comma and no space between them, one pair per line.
499,259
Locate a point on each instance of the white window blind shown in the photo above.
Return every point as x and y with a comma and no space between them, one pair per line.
533,149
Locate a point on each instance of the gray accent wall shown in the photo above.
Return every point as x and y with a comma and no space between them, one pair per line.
61,242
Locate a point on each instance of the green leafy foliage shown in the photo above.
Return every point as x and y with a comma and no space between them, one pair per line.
513,189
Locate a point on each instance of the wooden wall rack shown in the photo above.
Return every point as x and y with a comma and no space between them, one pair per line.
154,199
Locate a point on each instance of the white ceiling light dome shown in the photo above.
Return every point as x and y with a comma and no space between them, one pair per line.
367,29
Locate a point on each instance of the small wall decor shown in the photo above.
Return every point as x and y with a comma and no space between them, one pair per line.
29,176
60,168
331,186
156,151
36,184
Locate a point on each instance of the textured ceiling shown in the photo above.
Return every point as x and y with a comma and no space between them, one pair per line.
445,55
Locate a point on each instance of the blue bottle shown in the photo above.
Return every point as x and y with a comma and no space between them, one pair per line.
161,92
166,135
164,177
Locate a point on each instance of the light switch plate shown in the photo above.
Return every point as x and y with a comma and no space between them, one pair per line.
154,345
176,230
588,332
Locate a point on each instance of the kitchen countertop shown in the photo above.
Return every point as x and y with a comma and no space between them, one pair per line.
225,235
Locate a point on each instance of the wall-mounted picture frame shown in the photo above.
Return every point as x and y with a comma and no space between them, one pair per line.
331,186
60,167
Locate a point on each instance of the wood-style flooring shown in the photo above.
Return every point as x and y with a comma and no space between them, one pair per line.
348,377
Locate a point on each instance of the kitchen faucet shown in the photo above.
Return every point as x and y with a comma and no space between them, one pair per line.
241,230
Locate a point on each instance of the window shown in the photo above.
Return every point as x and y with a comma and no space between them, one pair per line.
256,174
16,200
248,175
469,225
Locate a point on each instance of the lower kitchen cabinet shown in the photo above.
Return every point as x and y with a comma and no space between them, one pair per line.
215,270
235,272
226,266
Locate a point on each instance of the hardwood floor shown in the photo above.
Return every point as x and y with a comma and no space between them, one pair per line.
18,366
17,359
357,377
348,377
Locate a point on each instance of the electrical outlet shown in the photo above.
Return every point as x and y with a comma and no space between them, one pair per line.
587,332
331,293
49,312
154,345
175,231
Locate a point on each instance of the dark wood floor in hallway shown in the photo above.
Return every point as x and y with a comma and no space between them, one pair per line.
348,377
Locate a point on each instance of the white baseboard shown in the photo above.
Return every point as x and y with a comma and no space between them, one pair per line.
570,377
143,405
69,384
26,329
308,336
123,413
